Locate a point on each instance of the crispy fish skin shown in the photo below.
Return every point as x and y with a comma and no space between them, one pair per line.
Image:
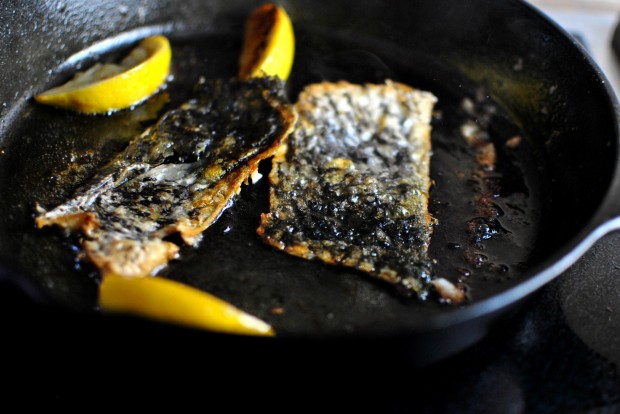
350,186
177,176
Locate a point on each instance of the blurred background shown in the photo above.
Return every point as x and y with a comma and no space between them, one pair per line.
579,4
593,22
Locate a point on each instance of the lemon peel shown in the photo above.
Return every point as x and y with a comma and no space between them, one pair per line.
173,302
109,87
269,43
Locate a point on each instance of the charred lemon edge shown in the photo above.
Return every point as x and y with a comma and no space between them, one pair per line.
173,302
106,88
269,43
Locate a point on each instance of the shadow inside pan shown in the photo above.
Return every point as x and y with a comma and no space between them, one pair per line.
488,218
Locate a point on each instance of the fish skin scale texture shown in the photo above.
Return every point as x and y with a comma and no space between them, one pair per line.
177,176
350,186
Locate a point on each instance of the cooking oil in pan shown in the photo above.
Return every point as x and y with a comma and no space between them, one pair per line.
486,212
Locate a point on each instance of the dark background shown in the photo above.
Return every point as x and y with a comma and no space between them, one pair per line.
558,353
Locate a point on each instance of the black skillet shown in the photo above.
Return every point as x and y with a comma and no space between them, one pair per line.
500,64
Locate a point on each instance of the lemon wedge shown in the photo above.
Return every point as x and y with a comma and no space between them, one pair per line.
109,87
173,302
269,43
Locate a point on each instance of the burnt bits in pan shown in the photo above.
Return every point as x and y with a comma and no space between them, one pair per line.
231,262
483,170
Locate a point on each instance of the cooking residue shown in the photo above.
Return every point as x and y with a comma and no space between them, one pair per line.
492,238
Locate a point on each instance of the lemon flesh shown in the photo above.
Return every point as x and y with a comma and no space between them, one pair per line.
110,87
269,44
169,301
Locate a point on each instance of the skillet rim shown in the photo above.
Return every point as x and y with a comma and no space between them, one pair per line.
604,220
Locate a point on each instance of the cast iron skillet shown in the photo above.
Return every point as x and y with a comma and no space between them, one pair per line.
559,189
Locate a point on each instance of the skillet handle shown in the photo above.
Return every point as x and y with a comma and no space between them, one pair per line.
608,217
606,220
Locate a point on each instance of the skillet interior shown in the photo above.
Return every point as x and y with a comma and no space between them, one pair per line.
567,159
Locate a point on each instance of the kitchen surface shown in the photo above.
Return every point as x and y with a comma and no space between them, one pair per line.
559,353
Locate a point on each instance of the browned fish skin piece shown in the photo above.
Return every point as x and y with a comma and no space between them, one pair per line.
178,176
350,186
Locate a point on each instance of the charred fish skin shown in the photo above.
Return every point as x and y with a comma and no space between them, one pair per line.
351,185
178,176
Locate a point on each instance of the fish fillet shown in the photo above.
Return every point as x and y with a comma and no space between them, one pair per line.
350,186
177,176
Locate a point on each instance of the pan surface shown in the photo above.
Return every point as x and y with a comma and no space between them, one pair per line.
501,67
